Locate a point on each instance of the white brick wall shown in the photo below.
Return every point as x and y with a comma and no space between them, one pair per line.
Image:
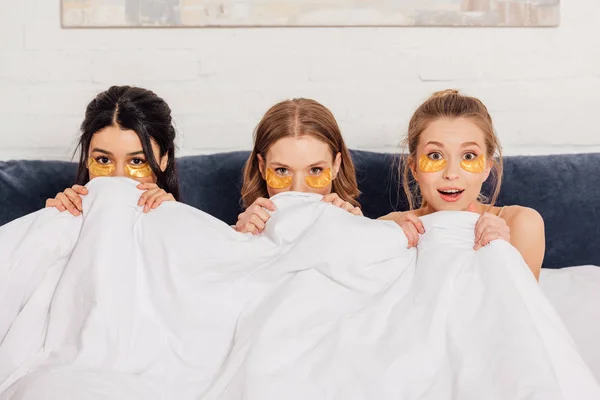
541,85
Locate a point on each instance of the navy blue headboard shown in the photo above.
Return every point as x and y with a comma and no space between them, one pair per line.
565,189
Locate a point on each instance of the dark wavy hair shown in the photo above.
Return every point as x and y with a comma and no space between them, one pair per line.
139,110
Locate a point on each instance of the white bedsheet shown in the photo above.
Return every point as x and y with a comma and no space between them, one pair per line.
575,294
324,305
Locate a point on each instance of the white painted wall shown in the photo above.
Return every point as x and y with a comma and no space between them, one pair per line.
542,85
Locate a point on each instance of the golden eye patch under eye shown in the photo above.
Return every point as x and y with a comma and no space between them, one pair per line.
476,165
426,164
319,181
139,171
134,171
276,181
95,168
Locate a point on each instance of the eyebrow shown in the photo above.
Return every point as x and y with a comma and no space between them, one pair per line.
288,167
102,151
280,164
96,149
466,144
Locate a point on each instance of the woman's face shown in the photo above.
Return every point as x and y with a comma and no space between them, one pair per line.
451,164
117,152
301,164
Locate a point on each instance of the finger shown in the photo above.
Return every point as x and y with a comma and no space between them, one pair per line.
249,227
146,195
74,197
261,212
54,203
408,234
162,198
245,227
338,202
478,244
265,203
357,211
257,222
416,222
67,204
489,237
147,185
328,198
480,228
239,226
152,198
82,190
150,203
411,233
483,221
415,235
347,206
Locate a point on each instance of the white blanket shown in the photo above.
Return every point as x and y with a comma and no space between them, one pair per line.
575,294
175,304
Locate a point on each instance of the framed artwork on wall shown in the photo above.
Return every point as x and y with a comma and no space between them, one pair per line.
281,13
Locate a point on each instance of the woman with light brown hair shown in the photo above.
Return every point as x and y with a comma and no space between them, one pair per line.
298,147
452,150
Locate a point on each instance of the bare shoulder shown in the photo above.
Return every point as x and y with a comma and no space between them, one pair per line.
527,235
523,219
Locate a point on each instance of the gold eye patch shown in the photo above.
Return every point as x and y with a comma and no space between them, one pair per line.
139,171
476,165
134,171
281,182
319,181
277,182
98,169
426,164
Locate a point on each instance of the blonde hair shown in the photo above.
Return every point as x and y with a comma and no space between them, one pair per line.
294,118
450,103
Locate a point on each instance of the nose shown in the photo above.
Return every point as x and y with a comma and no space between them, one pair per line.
119,170
451,171
298,184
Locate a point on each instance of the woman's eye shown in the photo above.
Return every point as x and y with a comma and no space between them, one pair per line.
435,156
470,156
138,161
316,171
102,160
281,171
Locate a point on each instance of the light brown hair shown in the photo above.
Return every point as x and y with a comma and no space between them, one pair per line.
294,118
450,104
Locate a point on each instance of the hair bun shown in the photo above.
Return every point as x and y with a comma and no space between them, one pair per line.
444,93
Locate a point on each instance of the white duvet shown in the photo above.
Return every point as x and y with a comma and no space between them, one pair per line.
175,304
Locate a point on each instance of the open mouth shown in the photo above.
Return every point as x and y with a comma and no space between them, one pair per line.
450,194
